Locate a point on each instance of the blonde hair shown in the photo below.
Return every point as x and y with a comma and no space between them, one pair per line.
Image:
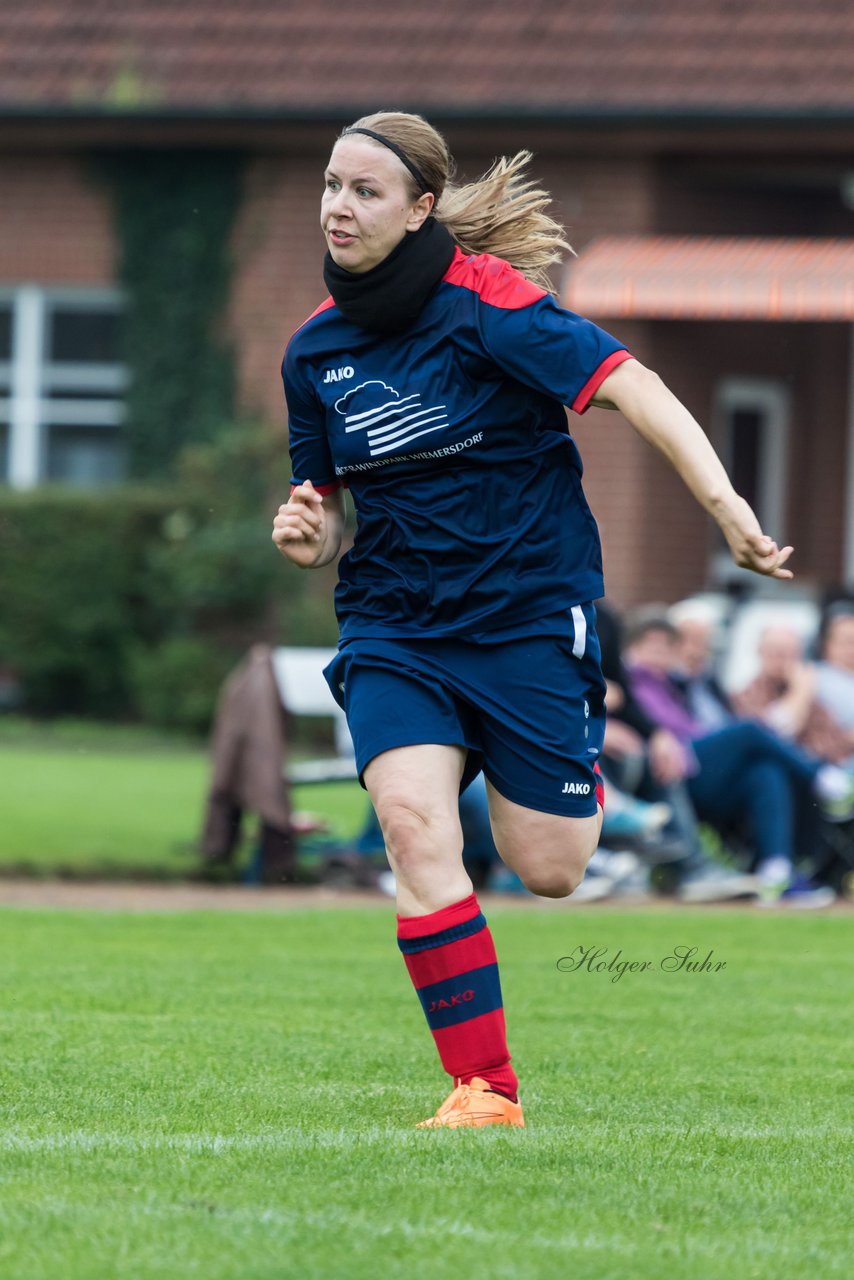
503,213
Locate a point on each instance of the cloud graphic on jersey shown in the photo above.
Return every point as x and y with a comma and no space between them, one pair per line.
354,391
390,420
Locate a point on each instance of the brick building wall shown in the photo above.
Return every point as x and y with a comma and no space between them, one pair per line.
278,251
55,222
811,360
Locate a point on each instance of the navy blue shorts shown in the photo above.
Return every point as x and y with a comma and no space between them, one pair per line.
529,710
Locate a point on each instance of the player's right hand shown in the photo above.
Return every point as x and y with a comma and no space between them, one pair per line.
300,527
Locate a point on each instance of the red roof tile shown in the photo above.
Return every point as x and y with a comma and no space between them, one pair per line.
713,278
457,55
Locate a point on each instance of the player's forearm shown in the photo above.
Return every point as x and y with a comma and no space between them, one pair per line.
332,545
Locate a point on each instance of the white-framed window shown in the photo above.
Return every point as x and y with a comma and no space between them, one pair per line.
62,386
753,417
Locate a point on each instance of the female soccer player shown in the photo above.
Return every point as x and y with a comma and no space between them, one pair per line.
432,383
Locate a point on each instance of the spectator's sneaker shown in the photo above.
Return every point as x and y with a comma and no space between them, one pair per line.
713,883
780,886
473,1105
387,883
803,894
774,876
593,888
834,787
665,849
632,819
618,866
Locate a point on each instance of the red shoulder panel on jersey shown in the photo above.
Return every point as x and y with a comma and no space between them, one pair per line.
324,306
493,279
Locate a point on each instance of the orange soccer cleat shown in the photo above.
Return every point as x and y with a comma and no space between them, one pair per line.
474,1104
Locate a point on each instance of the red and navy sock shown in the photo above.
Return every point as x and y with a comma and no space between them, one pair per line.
451,960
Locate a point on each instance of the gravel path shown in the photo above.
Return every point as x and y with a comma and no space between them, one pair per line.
108,895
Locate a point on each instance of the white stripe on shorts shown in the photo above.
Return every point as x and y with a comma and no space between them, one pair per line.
579,622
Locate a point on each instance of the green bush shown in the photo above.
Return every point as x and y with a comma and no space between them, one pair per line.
72,568
135,601
176,683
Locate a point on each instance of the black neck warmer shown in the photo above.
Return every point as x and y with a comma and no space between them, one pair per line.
389,297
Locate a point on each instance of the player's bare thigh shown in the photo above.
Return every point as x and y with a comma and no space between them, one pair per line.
548,852
415,792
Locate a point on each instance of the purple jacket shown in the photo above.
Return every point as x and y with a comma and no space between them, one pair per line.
662,701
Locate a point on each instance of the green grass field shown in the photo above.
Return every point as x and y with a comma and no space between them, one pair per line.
233,1096
89,799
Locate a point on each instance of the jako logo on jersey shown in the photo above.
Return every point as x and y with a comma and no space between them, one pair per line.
576,789
338,375
449,1004
392,421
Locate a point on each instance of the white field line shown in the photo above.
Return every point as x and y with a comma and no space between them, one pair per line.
15,1142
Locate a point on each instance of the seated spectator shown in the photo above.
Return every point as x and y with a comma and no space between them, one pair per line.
834,680
810,703
647,759
738,771
783,696
694,671
782,693
633,741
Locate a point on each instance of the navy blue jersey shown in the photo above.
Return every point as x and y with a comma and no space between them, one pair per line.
453,441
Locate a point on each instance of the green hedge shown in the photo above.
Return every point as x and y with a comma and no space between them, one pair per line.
136,601
72,594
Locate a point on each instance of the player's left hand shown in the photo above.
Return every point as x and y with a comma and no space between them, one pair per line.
749,546
764,556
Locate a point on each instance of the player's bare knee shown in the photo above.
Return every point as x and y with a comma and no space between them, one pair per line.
552,882
408,833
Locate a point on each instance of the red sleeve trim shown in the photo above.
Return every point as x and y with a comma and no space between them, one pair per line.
493,280
324,489
582,401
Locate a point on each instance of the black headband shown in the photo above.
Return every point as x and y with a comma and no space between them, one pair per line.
398,151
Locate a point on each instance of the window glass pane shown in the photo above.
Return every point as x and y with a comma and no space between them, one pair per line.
746,427
84,456
83,335
5,331
82,393
4,452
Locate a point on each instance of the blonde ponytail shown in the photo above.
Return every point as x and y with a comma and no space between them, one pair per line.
503,213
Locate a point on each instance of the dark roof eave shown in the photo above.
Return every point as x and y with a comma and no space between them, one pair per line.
622,117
